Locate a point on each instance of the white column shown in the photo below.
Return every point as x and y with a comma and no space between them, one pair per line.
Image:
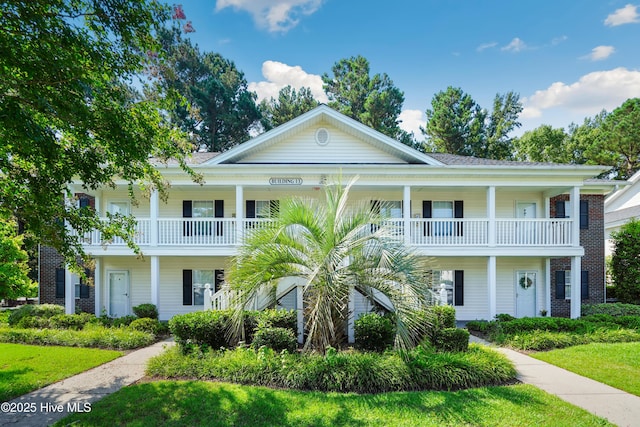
491,214
492,287
576,291
549,290
239,212
97,286
406,214
155,281
154,211
299,312
69,292
575,216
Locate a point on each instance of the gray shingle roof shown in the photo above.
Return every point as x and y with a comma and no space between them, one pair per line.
454,159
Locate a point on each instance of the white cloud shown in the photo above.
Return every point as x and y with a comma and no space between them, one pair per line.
599,53
626,15
279,75
557,40
588,96
273,15
411,122
485,46
516,45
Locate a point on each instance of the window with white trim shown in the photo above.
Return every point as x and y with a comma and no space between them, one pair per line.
199,279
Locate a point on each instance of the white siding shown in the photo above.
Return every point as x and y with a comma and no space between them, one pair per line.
361,305
139,279
476,302
342,148
171,282
289,301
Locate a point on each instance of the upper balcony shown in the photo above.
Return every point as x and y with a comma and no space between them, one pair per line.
430,236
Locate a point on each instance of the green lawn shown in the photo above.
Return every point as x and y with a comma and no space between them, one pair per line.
617,365
24,368
188,403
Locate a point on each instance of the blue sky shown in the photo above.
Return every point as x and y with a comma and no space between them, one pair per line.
567,59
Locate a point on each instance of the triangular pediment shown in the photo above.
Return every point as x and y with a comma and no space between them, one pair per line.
323,136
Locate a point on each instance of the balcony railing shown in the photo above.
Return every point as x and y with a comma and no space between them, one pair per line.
423,232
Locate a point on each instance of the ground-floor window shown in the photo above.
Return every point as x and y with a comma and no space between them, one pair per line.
447,286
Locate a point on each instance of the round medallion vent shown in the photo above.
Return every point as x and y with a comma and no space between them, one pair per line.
322,136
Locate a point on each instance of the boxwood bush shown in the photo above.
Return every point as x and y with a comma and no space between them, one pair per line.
617,309
146,324
374,332
277,339
149,311
451,339
201,328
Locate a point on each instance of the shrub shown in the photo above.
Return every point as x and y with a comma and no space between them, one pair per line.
143,311
617,309
71,321
625,262
201,328
444,316
277,339
345,371
272,318
146,324
504,317
42,310
451,339
91,336
374,332
122,321
482,326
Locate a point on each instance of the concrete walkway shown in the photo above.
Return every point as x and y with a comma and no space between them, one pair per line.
47,405
617,406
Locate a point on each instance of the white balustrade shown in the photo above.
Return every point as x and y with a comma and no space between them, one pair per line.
423,231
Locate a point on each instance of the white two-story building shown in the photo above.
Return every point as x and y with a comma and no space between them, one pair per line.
504,237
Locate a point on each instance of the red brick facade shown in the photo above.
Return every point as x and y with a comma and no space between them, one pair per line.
592,239
50,260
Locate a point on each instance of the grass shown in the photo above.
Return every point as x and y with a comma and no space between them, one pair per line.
24,368
178,403
617,365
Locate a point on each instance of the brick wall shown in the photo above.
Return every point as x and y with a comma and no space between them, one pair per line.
50,259
592,239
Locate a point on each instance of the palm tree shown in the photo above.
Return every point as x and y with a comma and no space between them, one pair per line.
334,247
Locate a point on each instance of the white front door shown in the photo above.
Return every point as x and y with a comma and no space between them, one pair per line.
526,210
526,293
118,293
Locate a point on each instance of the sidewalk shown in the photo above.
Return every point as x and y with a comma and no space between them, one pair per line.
617,406
75,394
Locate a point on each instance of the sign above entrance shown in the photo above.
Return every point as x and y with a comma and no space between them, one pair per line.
285,181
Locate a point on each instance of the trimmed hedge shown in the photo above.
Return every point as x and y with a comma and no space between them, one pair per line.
617,309
451,339
146,311
277,339
211,328
374,332
94,336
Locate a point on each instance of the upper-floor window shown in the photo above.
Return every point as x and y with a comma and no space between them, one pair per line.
202,209
563,210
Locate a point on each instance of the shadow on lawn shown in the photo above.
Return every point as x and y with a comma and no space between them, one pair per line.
223,404
11,382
